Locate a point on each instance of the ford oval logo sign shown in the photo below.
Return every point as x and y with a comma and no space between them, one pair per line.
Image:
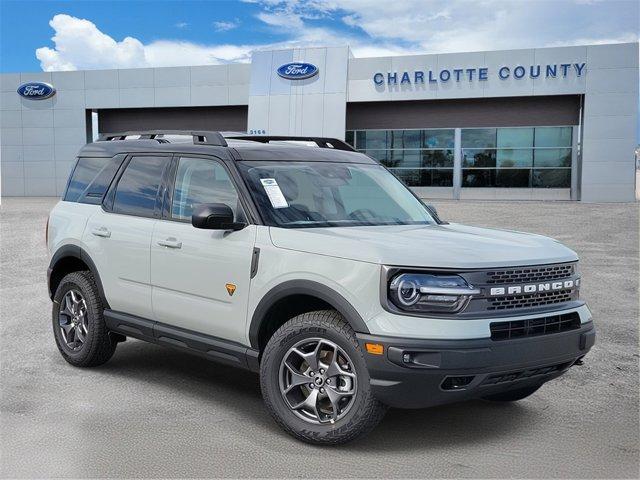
297,71
36,90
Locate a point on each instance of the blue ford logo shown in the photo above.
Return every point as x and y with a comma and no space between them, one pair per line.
297,71
36,90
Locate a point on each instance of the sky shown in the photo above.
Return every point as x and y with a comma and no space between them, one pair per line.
78,35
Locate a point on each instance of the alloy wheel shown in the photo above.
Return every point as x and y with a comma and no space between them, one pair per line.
73,319
318,381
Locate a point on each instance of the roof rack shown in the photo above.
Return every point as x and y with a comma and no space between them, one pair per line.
199,137
322,142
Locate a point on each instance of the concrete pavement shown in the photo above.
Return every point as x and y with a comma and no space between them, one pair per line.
155,412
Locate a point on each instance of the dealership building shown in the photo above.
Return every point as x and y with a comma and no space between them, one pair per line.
536,124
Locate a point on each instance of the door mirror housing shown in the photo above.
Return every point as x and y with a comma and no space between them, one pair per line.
215,216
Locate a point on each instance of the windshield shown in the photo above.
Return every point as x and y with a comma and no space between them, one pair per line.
315,194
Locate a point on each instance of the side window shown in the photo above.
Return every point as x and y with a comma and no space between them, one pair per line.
199,180
137,189
91,178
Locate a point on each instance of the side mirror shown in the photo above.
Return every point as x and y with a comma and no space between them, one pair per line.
215,216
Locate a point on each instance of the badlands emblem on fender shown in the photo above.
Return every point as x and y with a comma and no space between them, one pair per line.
534,288
231,288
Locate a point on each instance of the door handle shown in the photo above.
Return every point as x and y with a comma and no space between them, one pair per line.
101,232
171,242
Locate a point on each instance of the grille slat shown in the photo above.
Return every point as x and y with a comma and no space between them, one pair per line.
535,326
531,274
535,300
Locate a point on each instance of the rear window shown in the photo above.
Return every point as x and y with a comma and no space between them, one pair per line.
137,190
91,178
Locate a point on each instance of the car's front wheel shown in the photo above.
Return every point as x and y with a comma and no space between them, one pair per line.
315,382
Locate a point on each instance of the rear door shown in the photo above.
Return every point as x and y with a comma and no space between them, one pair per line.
119,234
201,277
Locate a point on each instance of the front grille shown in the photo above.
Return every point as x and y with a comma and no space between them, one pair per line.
522,374
534,326
529,301
531,274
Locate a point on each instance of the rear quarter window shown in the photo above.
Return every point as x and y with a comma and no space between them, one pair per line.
137,189
90,179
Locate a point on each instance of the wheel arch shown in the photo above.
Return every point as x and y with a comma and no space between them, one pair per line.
72,258
313,295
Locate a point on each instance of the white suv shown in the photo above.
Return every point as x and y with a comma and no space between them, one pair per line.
312,265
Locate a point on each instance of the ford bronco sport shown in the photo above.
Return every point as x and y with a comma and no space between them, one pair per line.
312,265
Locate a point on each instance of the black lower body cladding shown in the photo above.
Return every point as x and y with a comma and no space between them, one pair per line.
416,373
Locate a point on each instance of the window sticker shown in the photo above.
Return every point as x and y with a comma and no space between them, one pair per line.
274,193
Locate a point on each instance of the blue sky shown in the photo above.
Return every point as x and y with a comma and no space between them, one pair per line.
68,35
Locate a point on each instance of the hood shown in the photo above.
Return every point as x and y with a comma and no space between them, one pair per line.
438,246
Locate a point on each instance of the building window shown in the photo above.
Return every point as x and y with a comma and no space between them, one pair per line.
420,158
519,157
349,138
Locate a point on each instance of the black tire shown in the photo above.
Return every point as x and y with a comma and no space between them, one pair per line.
365,411
98,346
513,395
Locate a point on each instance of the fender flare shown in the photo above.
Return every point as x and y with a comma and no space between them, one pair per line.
74,251
304,287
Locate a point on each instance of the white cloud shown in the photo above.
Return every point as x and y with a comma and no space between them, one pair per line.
622,38
225,26
370,27
79,44
463,25
169,53
281,19
182,25
294,20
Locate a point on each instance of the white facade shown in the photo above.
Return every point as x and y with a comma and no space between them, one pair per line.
314,106
39,138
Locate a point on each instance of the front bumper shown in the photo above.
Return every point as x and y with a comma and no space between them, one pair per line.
416,373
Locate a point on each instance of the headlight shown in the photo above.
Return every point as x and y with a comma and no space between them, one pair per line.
418,292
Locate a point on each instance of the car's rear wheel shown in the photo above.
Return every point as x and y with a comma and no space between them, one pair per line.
513,395
315,382
78,324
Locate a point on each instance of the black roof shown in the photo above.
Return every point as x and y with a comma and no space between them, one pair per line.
234,147
250,150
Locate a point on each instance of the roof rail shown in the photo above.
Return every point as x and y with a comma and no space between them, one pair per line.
199,137
322,142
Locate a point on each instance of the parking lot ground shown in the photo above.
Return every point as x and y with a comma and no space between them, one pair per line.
156,412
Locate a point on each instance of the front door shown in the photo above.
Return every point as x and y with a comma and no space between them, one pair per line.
200,278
